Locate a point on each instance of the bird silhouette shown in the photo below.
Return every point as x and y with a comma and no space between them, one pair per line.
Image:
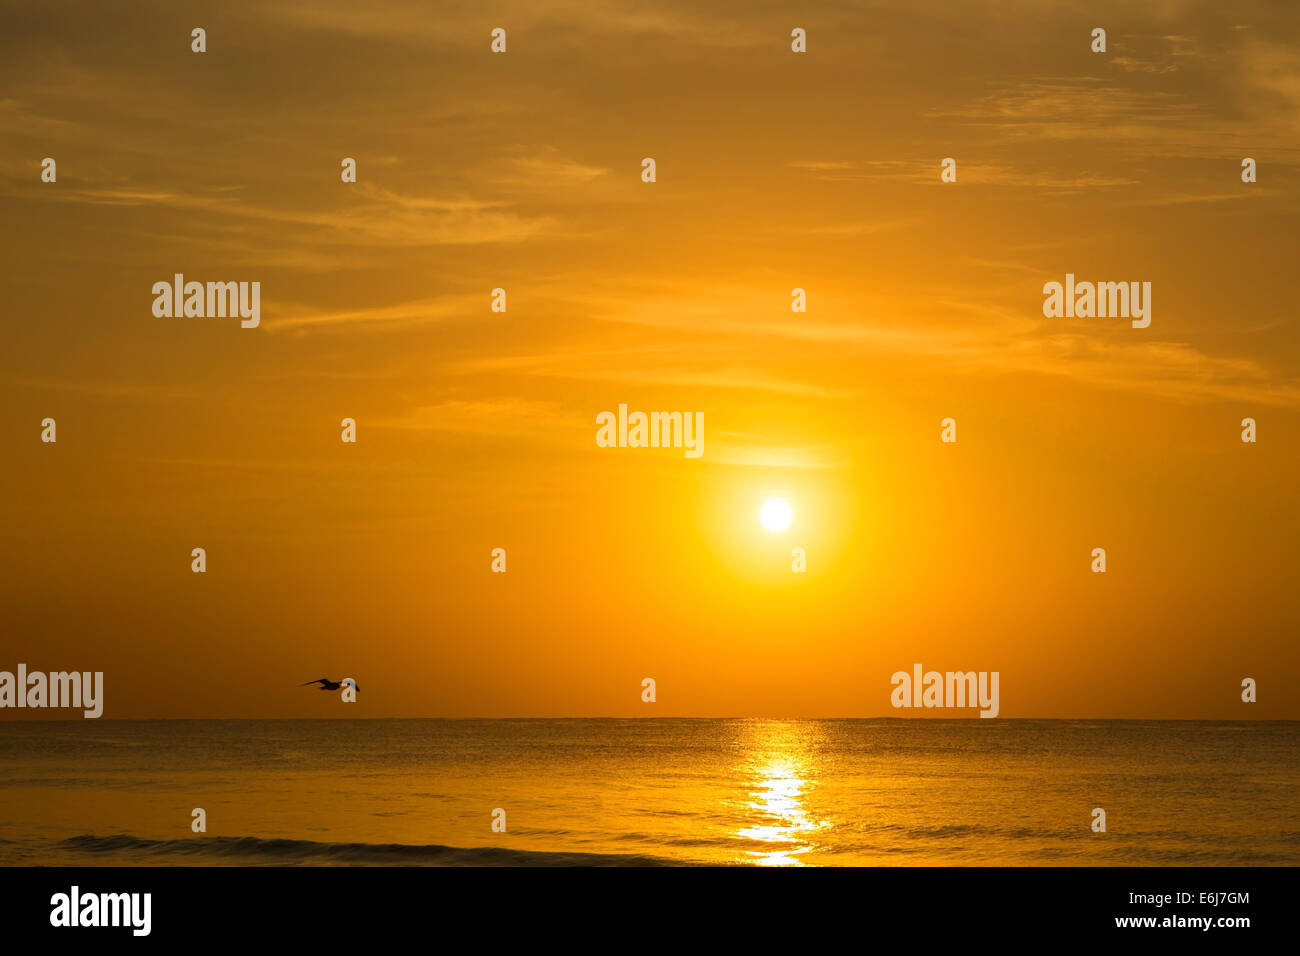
327,684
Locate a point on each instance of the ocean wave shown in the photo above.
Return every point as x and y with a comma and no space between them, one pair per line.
250,849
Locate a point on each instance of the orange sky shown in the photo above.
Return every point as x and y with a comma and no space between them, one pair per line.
476,429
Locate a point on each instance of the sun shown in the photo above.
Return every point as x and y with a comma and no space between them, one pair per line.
776,514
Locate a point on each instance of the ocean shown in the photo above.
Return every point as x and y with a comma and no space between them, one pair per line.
642,792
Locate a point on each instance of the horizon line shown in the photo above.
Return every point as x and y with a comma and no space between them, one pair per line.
1166,720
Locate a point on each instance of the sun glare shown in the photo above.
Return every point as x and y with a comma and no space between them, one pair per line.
776,514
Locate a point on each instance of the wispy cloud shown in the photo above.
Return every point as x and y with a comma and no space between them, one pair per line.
400,314
377,215
498,417
924,170
545,171
1174,371
698,367
1080,107
409,22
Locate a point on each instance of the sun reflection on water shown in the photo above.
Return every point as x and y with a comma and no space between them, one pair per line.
779,782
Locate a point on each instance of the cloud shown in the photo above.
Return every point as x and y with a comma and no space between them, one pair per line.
722,452
821,166
502,417
546,171
374,217
1074,108
1000,341
924,170
697,370
399,314
410,22
1174,371
1272,71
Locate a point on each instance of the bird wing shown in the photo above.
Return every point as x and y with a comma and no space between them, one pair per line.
322,680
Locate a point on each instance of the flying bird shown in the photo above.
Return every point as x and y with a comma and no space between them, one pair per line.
327,684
